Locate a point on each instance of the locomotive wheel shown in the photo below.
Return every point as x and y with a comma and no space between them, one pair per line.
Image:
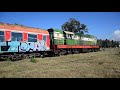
60,53
88,50
95,50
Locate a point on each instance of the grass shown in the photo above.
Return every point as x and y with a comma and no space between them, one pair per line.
102,64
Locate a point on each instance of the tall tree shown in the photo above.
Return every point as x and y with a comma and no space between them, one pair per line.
83,28
74,25
99,42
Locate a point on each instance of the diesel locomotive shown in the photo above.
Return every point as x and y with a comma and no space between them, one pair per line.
19,42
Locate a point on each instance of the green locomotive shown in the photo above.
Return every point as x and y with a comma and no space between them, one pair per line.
69,38
69,42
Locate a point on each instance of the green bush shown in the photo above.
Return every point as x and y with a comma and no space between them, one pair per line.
32,59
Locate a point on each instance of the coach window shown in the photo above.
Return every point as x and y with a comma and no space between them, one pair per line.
16,36
44,38
1,36
32,38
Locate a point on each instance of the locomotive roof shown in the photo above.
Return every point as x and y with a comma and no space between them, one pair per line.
17,27
68,32
58,30
89,36
85,35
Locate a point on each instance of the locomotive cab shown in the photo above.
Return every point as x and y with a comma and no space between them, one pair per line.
51,33
56,37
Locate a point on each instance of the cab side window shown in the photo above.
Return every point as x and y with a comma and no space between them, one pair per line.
69,36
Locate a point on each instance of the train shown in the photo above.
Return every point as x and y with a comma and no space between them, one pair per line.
20,42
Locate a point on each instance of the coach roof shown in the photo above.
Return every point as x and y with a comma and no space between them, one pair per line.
22,28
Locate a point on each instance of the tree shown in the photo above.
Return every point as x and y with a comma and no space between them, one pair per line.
84,28
74,26
99,42
117,44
